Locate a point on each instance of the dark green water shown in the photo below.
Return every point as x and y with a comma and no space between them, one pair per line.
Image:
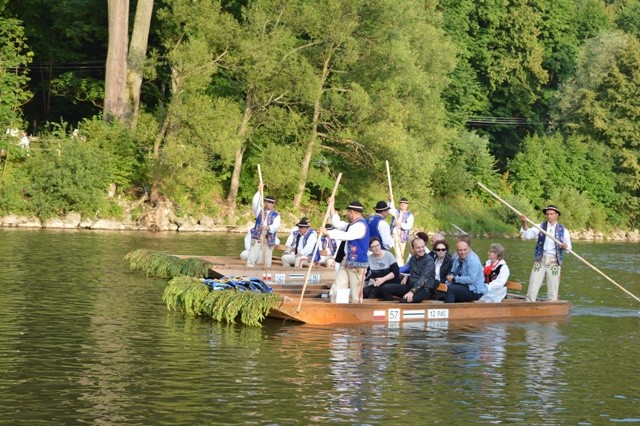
84,340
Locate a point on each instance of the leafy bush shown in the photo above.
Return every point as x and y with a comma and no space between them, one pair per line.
70,177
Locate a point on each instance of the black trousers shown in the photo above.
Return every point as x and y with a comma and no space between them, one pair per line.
387,292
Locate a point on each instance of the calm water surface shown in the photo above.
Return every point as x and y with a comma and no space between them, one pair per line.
84,340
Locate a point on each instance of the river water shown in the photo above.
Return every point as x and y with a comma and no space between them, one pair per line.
85,340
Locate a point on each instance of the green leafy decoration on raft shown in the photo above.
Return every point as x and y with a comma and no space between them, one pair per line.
197,299
162,265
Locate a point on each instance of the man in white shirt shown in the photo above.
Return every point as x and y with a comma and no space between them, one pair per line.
548,254
378,225
401,226
300,245
264,232
352,253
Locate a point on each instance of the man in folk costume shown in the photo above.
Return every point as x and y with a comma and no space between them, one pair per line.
548,254
328,248
263,233
401,225
352,253
378,226
300,245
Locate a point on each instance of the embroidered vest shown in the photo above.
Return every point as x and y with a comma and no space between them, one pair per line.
328,244
305,238
542,237
492,274
372,223
403,217
356,250
256,231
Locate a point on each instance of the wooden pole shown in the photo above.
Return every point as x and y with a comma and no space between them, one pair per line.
316,248
558,242
262,225
396,242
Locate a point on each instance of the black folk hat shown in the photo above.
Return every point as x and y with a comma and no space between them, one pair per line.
304,223
381,206
328,226
551,207
269,199
404,200
356,206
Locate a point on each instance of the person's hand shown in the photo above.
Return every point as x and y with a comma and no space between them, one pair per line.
408,297
377,282
564,246
450,278
523,218
260,187
404,280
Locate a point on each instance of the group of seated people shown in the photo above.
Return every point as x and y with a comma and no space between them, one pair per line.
462,273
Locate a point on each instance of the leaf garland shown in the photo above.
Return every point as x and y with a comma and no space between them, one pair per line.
197,299
163,265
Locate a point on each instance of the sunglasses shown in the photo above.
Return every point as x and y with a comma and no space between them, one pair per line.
441,249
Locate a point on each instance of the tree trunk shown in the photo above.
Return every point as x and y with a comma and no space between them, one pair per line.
137,56
116,67
237,166
317,105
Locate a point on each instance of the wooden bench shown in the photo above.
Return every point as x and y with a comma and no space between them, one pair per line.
511,285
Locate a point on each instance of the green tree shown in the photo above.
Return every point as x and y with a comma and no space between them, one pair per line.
552,164
501,70
602,102
14,59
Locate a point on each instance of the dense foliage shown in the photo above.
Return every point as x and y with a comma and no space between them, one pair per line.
538,99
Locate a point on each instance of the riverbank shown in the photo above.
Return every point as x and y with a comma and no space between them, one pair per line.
163,219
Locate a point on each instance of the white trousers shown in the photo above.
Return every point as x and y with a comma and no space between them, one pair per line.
293,260
352,279
255,254
547,268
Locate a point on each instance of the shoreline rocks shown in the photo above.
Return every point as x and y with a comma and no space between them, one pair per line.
163,219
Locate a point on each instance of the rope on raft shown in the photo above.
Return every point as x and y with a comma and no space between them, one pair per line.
162,265
206,298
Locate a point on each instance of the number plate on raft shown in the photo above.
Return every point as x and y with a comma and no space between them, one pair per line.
282,278
396,314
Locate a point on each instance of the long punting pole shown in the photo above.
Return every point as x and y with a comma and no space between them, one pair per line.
316,248
396,241
263,241
558,242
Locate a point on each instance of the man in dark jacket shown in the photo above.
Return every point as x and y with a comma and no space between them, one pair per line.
420,285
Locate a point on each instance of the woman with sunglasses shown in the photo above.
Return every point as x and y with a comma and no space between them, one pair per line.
496,274
443,260
383,269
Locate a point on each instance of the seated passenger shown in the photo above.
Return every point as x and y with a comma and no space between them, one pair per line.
496,274
300,245
420,284
383,270
404,269
465,282
443,263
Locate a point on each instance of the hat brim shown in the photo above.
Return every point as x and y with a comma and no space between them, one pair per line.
551,208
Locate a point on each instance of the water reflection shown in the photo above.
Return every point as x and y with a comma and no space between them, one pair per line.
545,379
85,340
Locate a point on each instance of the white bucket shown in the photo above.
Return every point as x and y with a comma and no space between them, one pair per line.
341,295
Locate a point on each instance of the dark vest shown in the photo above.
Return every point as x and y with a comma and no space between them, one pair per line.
256,231
356,250
541,239
372,223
